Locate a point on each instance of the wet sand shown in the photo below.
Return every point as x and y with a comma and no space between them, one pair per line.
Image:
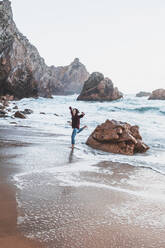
10,237
111,206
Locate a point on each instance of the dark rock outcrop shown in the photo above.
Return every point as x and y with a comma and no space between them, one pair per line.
158,94
98,88
3,113
143,93
15,107
4,103
27,111
117,137
23,73
1,106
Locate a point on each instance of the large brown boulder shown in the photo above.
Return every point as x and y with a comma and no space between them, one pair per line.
98,88
158,94
24,73
117,137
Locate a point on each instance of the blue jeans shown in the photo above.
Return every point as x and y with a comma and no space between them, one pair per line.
75,131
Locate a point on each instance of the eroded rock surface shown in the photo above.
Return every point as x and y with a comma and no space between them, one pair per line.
158,94
98,88
117,137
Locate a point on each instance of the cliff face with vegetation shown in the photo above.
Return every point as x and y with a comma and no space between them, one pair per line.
23,72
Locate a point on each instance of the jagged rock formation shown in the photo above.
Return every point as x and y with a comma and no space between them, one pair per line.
158,94
117,137
143,93
98,88
69,79
23,73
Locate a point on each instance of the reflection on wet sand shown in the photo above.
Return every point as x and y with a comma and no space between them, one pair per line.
71,156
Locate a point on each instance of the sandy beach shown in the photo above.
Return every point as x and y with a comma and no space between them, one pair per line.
49,198
9,236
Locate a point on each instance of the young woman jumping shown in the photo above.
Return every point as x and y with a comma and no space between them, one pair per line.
76,123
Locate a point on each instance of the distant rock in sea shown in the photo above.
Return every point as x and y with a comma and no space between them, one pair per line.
158,94
23,72
142,94
117,137
98,88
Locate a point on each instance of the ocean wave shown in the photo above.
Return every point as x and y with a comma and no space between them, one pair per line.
138,109
144,109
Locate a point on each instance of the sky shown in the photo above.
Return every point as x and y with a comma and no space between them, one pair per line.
123,39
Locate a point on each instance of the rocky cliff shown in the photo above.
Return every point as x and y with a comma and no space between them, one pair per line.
98,88
23,72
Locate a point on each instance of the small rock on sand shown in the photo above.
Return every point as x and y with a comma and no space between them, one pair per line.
18,114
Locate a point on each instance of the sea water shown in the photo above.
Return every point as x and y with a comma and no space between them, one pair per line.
149,115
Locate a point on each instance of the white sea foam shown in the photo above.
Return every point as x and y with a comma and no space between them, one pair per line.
149,115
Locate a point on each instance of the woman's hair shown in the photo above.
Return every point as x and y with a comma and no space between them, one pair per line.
77,111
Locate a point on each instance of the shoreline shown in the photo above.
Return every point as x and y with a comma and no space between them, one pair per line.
9,234
92,203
